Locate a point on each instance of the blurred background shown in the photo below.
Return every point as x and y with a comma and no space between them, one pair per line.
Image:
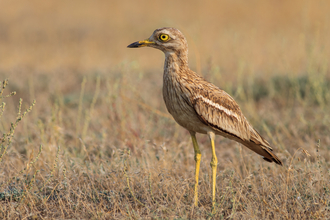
267,36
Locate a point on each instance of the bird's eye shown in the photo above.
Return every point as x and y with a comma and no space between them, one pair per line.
164,37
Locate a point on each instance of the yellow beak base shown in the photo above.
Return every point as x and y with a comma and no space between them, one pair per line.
140,43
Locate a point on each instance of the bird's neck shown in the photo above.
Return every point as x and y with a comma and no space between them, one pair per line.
175,63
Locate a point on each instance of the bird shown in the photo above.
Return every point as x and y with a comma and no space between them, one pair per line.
199,106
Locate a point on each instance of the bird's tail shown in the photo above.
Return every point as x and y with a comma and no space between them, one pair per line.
259,145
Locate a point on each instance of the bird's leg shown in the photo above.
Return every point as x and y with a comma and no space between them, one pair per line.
214,163
198,157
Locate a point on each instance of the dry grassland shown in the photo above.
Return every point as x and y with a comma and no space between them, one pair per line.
98,142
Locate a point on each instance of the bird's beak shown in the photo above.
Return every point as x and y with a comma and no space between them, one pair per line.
143,43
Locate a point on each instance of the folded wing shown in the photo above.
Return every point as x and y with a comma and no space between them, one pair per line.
219,110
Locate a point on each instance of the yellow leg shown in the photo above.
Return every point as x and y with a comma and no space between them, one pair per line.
198,157
214,163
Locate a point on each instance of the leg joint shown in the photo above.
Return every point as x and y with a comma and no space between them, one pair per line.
214,162
198,157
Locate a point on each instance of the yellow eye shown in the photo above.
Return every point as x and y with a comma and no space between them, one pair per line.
164,37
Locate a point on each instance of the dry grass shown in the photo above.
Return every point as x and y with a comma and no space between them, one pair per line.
99,143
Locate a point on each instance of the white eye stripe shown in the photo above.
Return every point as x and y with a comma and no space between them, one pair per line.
217,106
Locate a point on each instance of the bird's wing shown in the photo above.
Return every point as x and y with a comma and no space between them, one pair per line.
219,110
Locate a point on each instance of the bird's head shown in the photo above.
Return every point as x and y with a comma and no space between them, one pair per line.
168,40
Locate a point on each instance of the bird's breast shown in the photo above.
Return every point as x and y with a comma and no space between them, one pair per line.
177,101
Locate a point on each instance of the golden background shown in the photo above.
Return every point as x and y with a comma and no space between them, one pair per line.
268,36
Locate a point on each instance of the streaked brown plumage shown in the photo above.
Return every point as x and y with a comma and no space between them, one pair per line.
200,106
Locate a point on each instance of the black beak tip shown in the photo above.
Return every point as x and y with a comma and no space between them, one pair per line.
134,45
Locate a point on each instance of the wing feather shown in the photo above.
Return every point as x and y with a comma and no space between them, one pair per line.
219,110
